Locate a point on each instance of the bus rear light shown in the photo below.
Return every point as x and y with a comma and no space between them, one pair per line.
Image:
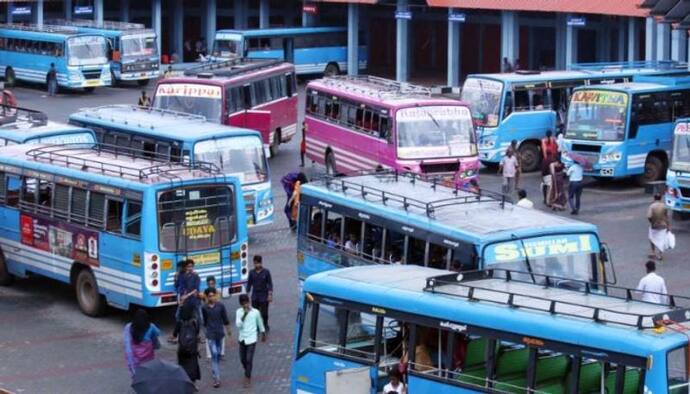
244,271
154,282
243,247
244,255
244,263
154,257
154,274
154,266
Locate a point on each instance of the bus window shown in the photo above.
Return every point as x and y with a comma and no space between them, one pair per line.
78,206
316,217
384,131
113,220
163,149
416,249
96,210
334,229
521,100
29,188
360,335
394,247
45,195
438,256
676,363
373,242
61,201
428,351
3,187
133,219
353,235
508,104
14,185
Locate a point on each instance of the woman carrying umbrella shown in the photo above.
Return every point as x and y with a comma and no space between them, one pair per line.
141,340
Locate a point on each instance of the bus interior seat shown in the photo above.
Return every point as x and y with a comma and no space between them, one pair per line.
551,370
631,381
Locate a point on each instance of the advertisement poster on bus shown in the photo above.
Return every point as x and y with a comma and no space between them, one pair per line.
61,239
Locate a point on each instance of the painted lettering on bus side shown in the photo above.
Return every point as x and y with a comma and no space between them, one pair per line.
516,250
453,326
325,205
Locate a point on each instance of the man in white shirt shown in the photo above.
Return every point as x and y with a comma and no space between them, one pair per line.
523,201
652,284
508,168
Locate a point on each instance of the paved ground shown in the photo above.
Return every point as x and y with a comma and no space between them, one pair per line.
48,346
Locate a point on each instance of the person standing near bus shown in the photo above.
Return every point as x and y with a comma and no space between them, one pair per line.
217,325
508,168
516,153
249,326
188,283
144,100
141,340
652,285
260,285
52,80
659,227
549,146
575,176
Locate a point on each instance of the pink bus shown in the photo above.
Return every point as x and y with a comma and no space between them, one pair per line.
365,122
251,93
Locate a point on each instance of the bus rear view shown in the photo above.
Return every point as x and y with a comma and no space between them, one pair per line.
678,174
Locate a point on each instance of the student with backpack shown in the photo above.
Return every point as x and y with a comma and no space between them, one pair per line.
187,333
217,324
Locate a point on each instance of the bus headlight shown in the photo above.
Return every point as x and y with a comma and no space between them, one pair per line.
487,144
610,157
266,202
74,77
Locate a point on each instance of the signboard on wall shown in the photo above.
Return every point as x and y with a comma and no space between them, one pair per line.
457,17
403,15
310,9
83,9
21,10
577,21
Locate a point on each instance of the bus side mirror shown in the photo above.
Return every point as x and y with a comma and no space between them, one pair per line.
607,262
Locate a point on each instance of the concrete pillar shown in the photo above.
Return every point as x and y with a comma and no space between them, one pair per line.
402,48
264,14
10,8
510,37
604,43
98,11
239,14
124,11
352,39
620,47
561,24
38,13
68,9
663,41
178,29
156,16
210,24
679,45
650,39
453,51
633,45
571,33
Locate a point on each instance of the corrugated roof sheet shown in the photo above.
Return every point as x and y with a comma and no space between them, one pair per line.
615,7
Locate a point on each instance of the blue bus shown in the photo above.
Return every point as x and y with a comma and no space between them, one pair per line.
313,50
626,129
391,218
133,49
483,331
115,225
678,175
26,52
27,126
182,137
523,105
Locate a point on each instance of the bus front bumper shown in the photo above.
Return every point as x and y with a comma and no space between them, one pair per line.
137,76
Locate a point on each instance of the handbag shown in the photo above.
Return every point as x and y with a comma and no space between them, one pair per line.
670,240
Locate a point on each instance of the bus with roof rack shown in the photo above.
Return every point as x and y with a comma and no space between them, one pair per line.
181,137
256,94
27,52
626,129
484,331
364,122
27,126
132,48
677,196
525,104
313,50
399,218
115,225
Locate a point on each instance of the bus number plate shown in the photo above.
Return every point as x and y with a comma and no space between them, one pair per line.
93,82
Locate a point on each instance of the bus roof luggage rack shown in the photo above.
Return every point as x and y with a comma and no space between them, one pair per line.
94,112
640,64
343,185
40,28
74,155
375,86
561,296
231,67
105,25
21,118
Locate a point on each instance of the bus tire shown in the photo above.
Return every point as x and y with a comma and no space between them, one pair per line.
10,78
277,137
91,302
143,82
330,164
331,70
6,278
530,157
654,170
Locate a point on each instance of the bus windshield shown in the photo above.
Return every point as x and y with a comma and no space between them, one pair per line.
226,48
243,155
197,99
87,50
435,132
565,256
597,115
196,218
484,97
681,149
138,46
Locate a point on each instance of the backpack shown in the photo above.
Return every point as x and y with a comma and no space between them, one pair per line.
187,337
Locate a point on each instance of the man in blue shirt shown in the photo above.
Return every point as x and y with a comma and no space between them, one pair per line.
575,175
260,285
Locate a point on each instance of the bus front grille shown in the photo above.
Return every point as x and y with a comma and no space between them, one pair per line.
685,192
92,74
440,167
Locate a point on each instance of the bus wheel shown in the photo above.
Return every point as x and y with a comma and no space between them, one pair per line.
530,157
90,301
143,82
277,137
10,79
330,164
6,278
331,70
653,170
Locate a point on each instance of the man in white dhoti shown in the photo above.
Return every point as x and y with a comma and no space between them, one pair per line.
659,227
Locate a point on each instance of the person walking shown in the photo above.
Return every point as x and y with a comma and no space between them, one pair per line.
516,153
546,178
51,80
140,340
249,325
557,197
549,146
294,200
575,175
508,168
652,285
260,285
211,284
303,144
187,332
144,100
217,325
659,227
289,181
188,283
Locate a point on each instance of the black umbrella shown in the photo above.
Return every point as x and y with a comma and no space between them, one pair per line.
161,377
